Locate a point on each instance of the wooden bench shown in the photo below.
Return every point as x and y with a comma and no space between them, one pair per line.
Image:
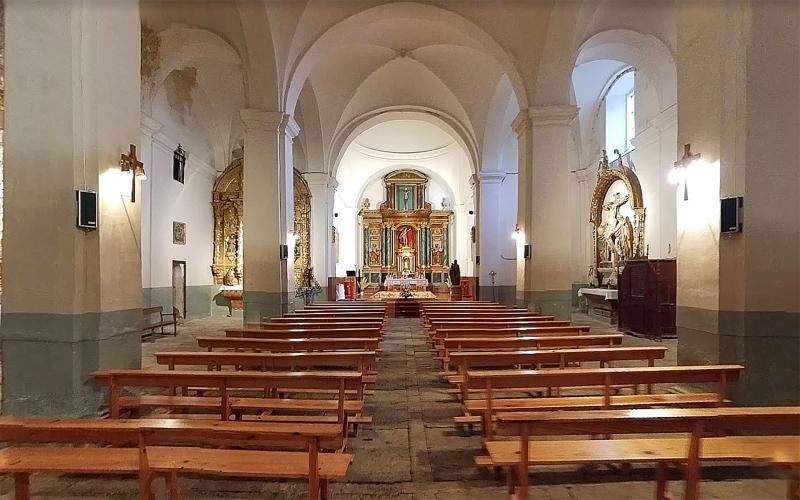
343,325
323,320
495,323
701,442
603,379
362,361
154,318
289,333
516,343
226,382
324,313
487,333
288,345
147,448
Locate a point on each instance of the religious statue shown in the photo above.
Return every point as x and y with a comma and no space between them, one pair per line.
455,274
591,278
406,202
374,255
437,255
403,236
445,203
366,204
230,278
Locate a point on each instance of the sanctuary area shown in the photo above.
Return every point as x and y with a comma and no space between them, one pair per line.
426,249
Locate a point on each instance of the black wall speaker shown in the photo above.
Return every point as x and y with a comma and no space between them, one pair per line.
283,252
731,215
87,210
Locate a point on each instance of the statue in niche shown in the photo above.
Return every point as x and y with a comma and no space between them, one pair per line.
437,255
445,203
366,204
616,232
374,255
230,278
405,236
406,201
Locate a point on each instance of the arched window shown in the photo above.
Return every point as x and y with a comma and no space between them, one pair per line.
621,112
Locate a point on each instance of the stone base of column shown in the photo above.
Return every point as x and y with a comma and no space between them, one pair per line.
766,343
259,305
502,294
48,358
556,303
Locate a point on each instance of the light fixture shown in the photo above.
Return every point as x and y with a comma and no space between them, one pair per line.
129,163
680,171
517,233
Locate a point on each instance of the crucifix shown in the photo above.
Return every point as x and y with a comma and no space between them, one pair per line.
129,163
683,165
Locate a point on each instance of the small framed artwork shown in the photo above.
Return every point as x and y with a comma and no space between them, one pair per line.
178,233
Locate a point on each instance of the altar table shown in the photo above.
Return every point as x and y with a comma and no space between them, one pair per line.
418,282
602,302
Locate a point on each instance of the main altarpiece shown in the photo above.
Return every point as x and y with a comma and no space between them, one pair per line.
404,236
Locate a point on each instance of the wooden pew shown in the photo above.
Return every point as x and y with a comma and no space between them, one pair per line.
324,313
362,361
147,448
323,320
293,333
700,442
496,323
316,323
288,345
451,344
224,382
529,331
604,379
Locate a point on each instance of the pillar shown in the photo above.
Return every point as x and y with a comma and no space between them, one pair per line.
739,107
544,137
494,238
71,299
322,187
269,287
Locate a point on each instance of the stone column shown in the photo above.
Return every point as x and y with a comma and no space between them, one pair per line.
268,213
545,137
493,236
322,187
71,299
739,295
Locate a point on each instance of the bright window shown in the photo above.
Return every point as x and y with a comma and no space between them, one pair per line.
630,119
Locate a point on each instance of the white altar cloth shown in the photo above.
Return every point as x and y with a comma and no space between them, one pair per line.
405,282
606,293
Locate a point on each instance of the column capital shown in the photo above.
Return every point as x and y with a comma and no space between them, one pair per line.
555,115
492,177
319,179
522,122
269,121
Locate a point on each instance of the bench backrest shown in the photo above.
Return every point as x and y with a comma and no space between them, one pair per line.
605,377
323,319
495,323
560,357
289,333
528,331
147,311
359,360
288,345
340,324
533,342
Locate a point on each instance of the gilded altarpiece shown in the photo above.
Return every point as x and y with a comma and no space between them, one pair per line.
229,224
404,236
617,218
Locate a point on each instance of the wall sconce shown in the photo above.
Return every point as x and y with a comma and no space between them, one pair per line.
129,163
680,171
517,233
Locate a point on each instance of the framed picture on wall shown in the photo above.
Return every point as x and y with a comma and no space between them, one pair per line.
178,233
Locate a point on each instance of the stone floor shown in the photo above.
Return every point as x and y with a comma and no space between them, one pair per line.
412,450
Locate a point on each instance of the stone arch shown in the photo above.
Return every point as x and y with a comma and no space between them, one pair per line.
339,33
348,133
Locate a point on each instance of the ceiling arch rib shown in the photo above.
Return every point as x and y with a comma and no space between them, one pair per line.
351,27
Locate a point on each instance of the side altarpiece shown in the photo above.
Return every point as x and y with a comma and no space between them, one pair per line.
404,235
227,267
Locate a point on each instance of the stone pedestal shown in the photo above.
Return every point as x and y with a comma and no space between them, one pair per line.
455,293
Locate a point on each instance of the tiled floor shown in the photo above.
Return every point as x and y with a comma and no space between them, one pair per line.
412,450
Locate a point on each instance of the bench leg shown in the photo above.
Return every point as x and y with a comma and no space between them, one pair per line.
175,492
793,492
662,478
323,489
22,486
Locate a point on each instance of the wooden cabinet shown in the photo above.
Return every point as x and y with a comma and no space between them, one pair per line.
647,291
